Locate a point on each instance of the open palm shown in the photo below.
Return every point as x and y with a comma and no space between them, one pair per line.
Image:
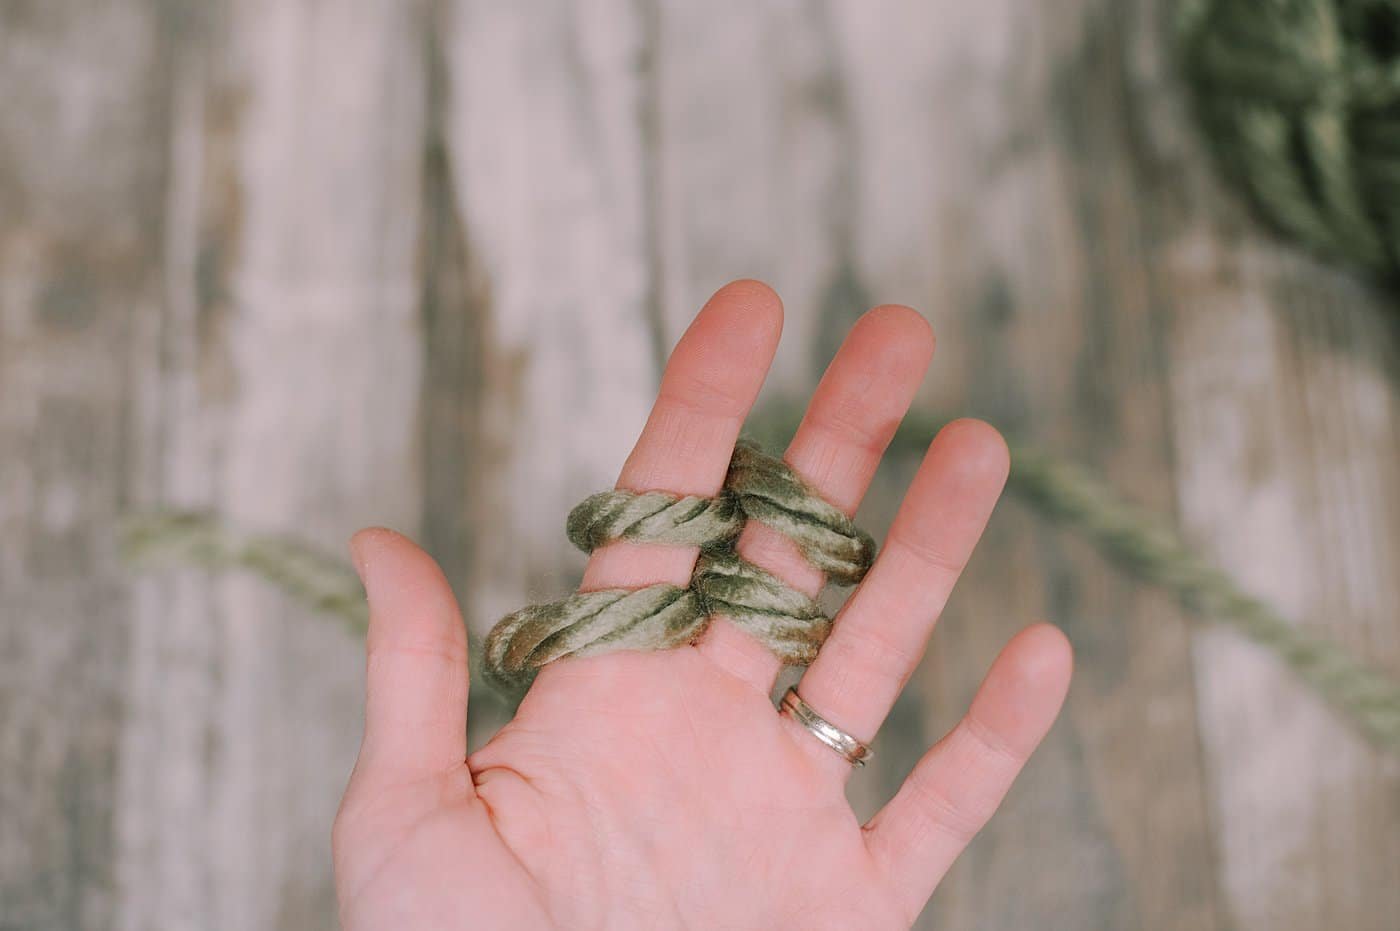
661,790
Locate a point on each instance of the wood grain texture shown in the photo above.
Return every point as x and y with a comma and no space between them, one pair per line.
543,151
317,266
280,387
1286,430
80,272
1021,241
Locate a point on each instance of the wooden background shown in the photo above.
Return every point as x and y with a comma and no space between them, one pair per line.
316,264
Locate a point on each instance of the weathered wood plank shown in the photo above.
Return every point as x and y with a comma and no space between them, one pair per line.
998,194
1285,422
752,143
285,398
1286,414
79,274
544,153
1285,407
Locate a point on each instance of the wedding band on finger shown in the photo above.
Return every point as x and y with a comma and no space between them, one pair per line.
850,749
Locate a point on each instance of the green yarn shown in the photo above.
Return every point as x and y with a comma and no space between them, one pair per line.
1152,551
1301,102
657,617
315,579
757,487
774,494
653,517
792,625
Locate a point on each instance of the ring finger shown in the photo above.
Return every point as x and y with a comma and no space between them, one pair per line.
880,635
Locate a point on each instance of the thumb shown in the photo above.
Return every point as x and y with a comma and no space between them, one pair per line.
416,661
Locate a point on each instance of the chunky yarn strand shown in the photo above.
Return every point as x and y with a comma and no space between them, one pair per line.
1151,550
309,576
1301,103
769,491
789,623
657,617
757,487
653,517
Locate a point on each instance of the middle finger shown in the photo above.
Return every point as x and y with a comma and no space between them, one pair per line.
853,415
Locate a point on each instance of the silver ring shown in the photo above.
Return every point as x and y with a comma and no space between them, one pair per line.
851,750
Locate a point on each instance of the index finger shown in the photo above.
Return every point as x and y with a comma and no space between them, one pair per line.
710,383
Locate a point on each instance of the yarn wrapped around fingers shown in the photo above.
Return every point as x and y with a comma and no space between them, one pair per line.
758,486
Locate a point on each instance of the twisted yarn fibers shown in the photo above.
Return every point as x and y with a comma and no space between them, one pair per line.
1301,102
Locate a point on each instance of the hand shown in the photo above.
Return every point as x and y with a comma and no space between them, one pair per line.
660,790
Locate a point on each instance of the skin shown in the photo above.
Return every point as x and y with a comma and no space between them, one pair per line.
662,790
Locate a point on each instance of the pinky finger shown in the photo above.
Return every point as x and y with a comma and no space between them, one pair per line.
959,783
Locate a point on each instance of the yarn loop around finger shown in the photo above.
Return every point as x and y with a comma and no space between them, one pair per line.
771,492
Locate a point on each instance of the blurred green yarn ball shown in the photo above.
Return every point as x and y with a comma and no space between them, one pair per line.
1301,101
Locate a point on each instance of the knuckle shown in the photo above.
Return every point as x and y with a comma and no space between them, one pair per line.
870,654
958,818
702,397
449,650
927,553
842,424
990,747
